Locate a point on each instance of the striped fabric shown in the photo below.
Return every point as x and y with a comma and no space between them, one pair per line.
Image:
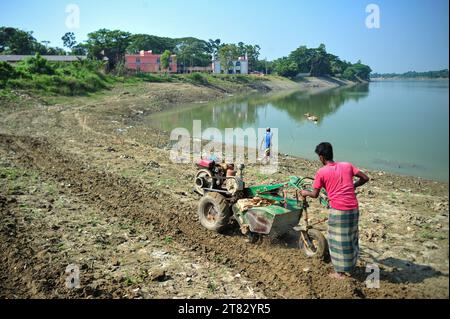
343,239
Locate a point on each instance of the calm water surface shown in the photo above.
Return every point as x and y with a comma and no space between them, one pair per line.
396,126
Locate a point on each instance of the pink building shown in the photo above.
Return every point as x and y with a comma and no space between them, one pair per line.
148,62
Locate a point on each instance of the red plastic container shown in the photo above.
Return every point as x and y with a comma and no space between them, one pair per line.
205,163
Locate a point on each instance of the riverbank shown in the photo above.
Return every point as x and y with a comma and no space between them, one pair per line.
83,183
408,79
186,88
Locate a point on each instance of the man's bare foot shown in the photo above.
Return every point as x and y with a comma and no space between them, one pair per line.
338,275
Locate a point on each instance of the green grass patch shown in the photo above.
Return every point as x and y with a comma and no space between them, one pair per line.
129,281
11,173
426,234
36,74
50,189
60,203
219,259
261,177
150,77
197,78
129,173
168,240
61,246
7,96
212,286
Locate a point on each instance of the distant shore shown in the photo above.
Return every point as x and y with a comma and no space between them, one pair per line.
408,79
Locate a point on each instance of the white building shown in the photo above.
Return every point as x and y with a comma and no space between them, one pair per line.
239,66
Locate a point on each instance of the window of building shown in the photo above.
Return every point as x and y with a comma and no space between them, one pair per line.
230,67
238,67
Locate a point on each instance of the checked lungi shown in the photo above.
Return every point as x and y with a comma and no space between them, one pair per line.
343,239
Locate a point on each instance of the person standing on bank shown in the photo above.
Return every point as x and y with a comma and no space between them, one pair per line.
267,141
337,179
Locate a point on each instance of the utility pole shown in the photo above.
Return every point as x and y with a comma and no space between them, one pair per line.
265,63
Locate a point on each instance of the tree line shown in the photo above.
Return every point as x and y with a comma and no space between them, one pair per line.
190,51
413,74
114,44
16,41
318,62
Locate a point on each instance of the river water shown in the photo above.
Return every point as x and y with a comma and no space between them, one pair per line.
396,126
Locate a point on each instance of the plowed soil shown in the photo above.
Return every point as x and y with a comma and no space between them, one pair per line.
82,182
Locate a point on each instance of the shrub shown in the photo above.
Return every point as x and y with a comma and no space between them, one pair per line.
287,68
197,78
120,69
148,77
7,71
356,71
38,74
349,74
37,65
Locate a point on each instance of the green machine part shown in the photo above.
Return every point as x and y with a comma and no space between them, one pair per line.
274,219
284,214
298,183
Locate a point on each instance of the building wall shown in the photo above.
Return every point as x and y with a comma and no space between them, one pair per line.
216,67
204,69
239,67
148,62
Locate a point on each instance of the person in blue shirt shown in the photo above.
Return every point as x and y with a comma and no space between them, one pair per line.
267,141
213,157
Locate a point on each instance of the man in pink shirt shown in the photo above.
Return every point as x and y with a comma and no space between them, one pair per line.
337,179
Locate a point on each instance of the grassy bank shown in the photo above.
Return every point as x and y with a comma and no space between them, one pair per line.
219,81
39,77
37,80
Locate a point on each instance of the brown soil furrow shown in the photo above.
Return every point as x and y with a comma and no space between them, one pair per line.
282,272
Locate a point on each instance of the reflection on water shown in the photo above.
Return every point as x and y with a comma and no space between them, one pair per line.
399,126
243,111
300,103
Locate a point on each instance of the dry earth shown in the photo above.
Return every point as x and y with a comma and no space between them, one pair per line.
83,182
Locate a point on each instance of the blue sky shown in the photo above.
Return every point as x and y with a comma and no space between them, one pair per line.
413,34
